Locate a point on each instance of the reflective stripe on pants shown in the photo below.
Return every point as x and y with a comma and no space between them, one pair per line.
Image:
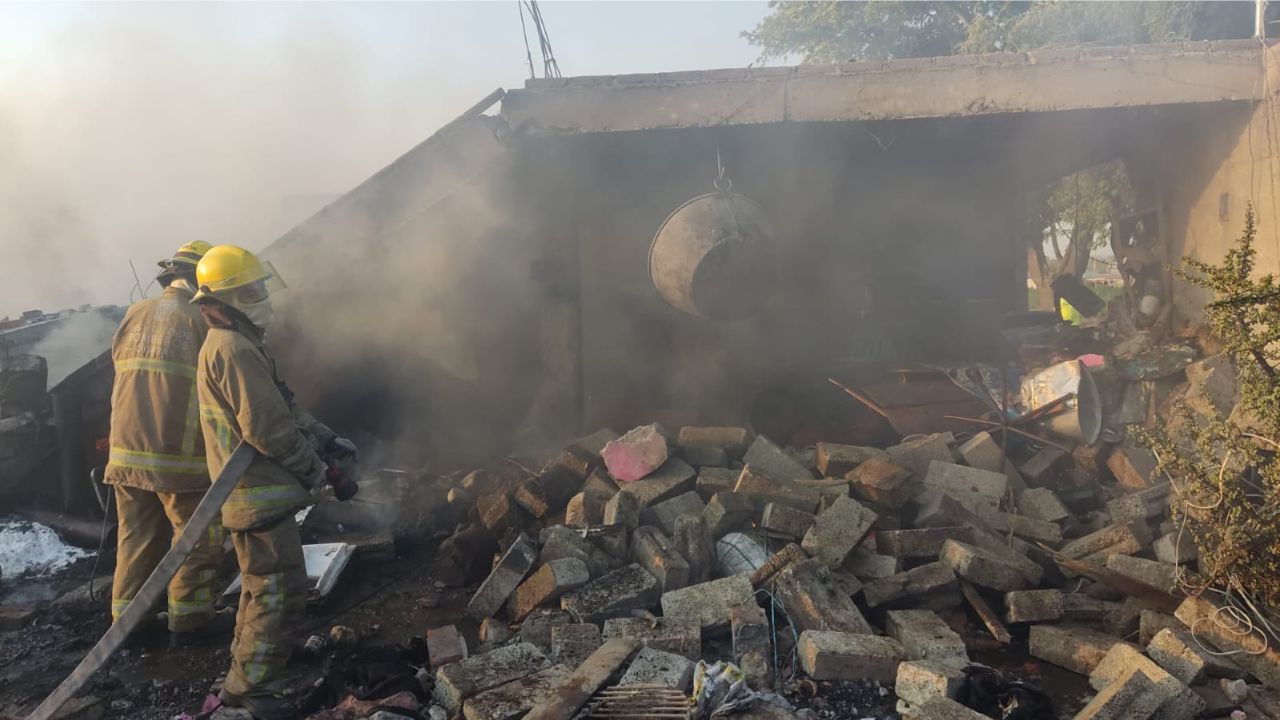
272,601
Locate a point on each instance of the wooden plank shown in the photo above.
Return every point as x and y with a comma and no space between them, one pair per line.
989,617
567,698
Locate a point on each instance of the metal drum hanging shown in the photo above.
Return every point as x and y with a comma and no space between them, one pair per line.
713,257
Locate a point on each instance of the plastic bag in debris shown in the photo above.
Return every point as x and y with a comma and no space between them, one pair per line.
720,690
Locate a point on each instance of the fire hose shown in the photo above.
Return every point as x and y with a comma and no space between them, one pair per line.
155,586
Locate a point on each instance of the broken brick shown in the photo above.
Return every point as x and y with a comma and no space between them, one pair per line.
1132,465
548,583
637,454
881,481
445,645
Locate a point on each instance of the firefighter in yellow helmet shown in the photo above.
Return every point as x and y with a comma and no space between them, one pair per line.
242,398
157,457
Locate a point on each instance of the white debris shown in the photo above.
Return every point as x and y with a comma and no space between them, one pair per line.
28,548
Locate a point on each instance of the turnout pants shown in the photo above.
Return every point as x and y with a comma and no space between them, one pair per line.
272,603
148,523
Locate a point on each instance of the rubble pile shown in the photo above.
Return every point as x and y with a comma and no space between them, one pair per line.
838,571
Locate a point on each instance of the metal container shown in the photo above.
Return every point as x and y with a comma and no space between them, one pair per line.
1082,417
713,257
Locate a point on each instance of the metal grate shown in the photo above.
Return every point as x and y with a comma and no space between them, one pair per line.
639,702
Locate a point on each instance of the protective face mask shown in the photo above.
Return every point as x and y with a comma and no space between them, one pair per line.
183,284
259,313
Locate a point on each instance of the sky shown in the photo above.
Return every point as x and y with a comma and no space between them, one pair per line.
128,129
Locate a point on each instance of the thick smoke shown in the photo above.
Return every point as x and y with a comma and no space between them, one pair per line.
138,127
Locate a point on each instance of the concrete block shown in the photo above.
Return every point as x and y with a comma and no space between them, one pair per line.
599,483
499,511
837,460
808,594
938,508
560,542
1042,504
1078,607
732,440
675,477
1121,539
494,632
940,708
1152,502
701,456
926,637
15,618
1041,470
1176,548
694,543
572,644
663,515
916,455
1262,661
750,631
583,455
547,584
459,681
837,531
445,645
613,595
1124,620
506,576
653,551
919,680
637,454
682,636
1180,654
1174,699
881,481
655,667
982,567
932,586
549,492
772,461
727,512
709,602
537,628
958,479
1021,526
1033,606
1132,465
623,509
1131,697
511,700
1161,576
831,655
785,522
983,452
867,566
763,489
585,509
1077,649
921,543
1151,622
712,480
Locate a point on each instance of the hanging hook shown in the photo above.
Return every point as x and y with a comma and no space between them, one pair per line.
721,183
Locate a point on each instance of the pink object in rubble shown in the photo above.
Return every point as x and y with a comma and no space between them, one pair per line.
636,454
1093,360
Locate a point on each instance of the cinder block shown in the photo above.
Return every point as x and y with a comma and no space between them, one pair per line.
750,630
920,680
772,461
1161,576
549,492
547,584
868,566
1140,505
940,708
1021,526
1262,661
663,515
655,667
1180,654
1078,607
1130,697
1132,465
709,602
682,636
515,698
1176,700
830,655
613,595
572,644
1121,539
623,509
1176,548
653,551
459,681
727,512
764,489
1033,606
953,478
675,477
582,456
982,567
786,522
926,637
881,481
1074,648
504,579
1041,469
916,455
837,460
712,480
537,628
694,543
809,595
732,440
932,586
1042,504
1151,622
837,531
919,543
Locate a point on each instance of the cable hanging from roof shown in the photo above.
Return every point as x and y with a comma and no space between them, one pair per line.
550,68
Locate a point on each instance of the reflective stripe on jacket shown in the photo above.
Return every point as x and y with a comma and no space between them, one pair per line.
155,421
239,399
